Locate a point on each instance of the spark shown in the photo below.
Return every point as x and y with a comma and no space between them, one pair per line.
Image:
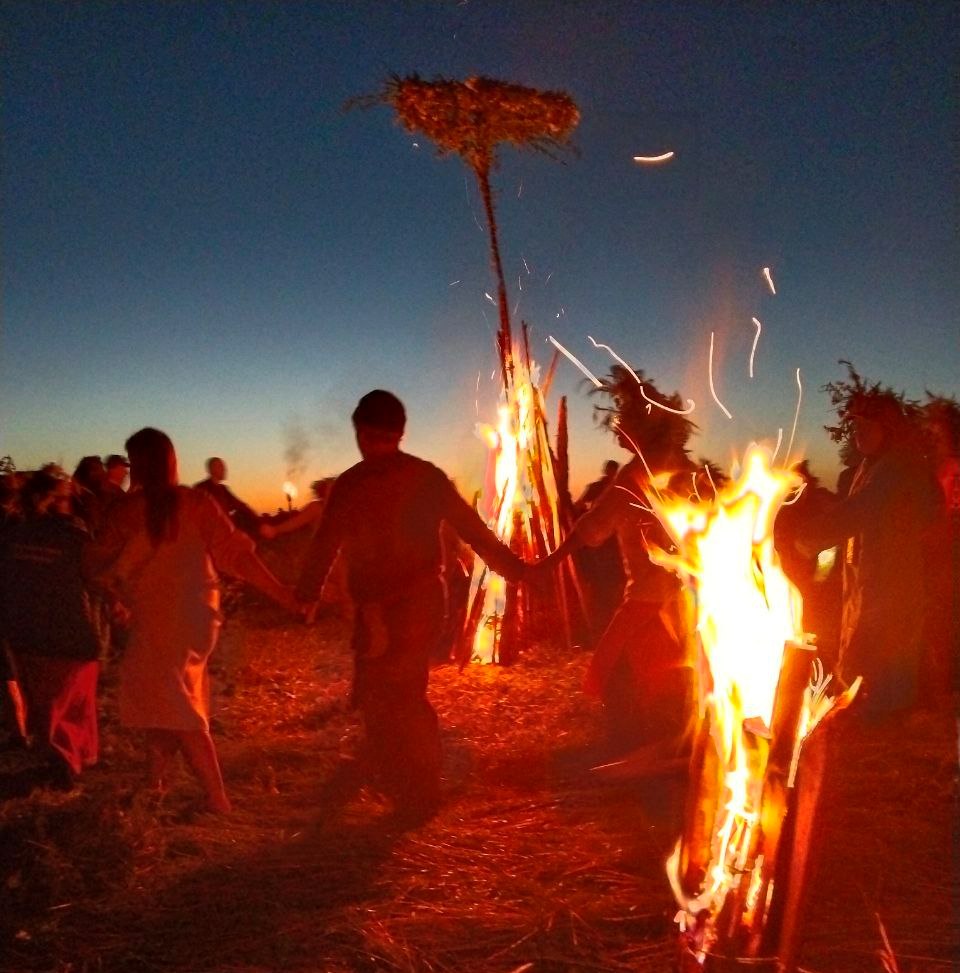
710,478
693,478
520,190
489,298
525,267
756,338
797,495
576,361
454,283
547,281
519,282
653,159
649,408
777,449
713,391
416,145
516,308
622,432
796,416
476,401
769,280
636,496
680,412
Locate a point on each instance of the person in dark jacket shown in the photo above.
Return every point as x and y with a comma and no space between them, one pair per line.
48,620
241,516
383,516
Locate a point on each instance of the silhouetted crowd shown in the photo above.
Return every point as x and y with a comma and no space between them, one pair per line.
91,571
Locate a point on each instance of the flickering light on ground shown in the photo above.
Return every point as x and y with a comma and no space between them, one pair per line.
713,391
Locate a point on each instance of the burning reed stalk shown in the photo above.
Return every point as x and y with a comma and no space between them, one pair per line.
472,118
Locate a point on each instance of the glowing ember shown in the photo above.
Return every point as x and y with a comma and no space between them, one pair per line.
289,491
713,391
748,621
653,159
756,338
769,280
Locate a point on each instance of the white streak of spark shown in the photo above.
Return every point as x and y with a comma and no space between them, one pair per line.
525,267
520,190
710,478
489,298
547,281
622,432
636,378
779,442
796,496
693,477
519,282
454,283
576,361
640,504
769,280
476,401
664,157
756,338
796,416
713,391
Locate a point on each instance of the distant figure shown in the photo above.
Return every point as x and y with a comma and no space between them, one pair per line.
88,480
160,555
593,490
384,516
49,621
116,473
879,529
309,517
240,514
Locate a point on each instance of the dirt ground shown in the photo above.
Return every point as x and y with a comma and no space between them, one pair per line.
533,864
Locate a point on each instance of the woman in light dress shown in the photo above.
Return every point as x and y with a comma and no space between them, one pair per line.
159,555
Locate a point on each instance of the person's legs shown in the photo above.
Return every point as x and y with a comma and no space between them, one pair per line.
161,747
201,753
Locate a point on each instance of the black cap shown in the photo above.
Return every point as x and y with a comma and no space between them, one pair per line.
380,410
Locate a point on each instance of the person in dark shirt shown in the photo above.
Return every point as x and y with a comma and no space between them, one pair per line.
48,620
384,516
241,516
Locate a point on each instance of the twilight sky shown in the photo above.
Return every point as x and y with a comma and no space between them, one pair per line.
195,236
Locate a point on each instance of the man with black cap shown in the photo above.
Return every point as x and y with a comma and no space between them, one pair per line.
383,516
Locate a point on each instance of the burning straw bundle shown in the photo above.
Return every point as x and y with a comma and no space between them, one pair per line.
472,118
739,867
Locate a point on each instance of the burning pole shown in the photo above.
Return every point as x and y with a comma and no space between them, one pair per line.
738,869
472,118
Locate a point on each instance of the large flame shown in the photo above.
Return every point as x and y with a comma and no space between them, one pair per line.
522,493
747,614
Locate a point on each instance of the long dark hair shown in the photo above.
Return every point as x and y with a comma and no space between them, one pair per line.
153,468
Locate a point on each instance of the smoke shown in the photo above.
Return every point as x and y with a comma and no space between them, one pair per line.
296,449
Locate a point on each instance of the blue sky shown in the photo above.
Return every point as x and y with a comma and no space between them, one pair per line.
196,236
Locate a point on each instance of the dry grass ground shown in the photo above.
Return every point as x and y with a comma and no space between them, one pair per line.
532,863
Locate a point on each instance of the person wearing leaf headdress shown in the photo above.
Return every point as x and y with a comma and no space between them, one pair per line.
880,530
640,668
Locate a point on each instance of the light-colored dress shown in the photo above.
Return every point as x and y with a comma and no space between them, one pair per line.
172,591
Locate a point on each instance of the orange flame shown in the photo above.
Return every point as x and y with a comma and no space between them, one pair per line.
523,482
747,612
